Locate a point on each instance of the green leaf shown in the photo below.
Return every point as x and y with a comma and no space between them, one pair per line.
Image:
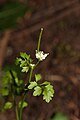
49,88
6,78
8,105
20,82
18,91
23,63
48,93
32,85
25,69
60,116
18,60
23,105
38,77
9,13
5,92
14,73
24,55
37,91
16,80
46,83
30,60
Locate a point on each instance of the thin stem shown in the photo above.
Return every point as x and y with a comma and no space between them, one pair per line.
14,104
21,108
30,75
37,63
39,39
17,115
15,108
21,112
31,70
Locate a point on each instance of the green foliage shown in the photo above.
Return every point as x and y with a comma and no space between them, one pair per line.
11,84
13,67
5,92
32,85
6,78
9,14
8,105
16,89
45,87
25,69
60,116
5,88
25,56
25,104
38,77
48,93
24,62
37,91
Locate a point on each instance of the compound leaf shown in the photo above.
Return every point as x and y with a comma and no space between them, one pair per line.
48,93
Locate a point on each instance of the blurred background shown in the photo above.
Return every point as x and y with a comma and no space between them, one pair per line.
20,23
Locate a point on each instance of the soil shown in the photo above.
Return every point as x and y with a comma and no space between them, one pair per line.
62,67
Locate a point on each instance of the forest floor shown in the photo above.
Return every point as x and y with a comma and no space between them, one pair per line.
62,67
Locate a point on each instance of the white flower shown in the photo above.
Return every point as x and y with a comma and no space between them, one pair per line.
40,55
32,65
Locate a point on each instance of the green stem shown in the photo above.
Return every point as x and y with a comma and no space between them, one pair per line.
37,63
15,107
21,108
21,113
17,115
30,75
39,39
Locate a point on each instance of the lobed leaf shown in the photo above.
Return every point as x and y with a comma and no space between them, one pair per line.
8,105
25,69
37,91
32,85
23,63
24,55
18,60
38,77
48,93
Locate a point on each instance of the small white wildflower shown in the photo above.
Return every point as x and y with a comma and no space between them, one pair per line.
40,55
41,29
32,65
